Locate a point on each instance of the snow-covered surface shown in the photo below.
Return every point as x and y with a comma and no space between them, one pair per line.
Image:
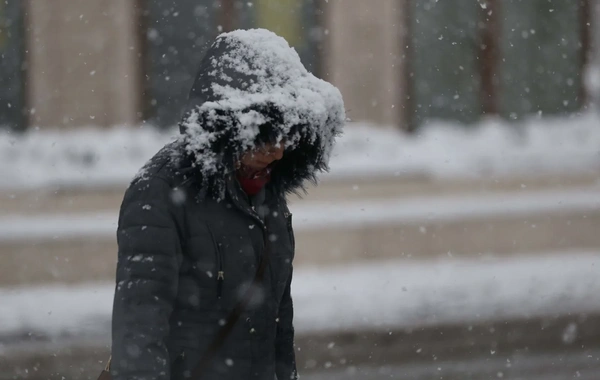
381,295
410,294
93,157
311,215
86,156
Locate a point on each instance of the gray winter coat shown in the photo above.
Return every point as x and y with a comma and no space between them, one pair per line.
190,240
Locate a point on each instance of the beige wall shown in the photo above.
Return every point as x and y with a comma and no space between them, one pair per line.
83,63
363,57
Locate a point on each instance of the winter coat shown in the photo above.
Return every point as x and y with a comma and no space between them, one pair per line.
190,240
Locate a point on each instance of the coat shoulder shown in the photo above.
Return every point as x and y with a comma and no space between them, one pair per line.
163,176
170,164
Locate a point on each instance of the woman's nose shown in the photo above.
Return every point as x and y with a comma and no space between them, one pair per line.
278,153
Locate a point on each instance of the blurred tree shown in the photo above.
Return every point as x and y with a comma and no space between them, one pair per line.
12,65
299,22
283,17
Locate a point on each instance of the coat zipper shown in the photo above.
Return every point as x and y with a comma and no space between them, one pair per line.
220,279
220,271
288,220
254,215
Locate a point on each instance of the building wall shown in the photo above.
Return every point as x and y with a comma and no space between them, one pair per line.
364,57
82,63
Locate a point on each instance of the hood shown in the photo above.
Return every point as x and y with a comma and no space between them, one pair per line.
251,88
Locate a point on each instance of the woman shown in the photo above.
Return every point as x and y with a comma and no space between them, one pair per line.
205,236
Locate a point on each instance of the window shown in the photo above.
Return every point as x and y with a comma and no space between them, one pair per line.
12,76
508,57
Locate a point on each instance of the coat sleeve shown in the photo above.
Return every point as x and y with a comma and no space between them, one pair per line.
147,278
285,354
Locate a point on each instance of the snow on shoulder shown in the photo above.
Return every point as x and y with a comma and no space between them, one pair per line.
252,83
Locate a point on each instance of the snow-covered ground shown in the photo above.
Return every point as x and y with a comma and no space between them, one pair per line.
312,215
92,157
383,295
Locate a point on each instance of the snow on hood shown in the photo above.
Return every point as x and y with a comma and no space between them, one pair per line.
252,88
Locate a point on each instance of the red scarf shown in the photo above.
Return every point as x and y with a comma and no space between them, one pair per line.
254,183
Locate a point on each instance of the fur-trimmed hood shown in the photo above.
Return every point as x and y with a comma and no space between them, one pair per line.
251,88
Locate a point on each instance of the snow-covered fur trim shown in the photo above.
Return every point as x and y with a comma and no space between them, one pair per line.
251,89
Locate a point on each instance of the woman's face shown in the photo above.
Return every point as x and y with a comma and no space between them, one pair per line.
262,157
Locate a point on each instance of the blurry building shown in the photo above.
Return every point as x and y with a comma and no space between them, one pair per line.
71,63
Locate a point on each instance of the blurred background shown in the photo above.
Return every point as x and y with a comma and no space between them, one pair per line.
456,236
